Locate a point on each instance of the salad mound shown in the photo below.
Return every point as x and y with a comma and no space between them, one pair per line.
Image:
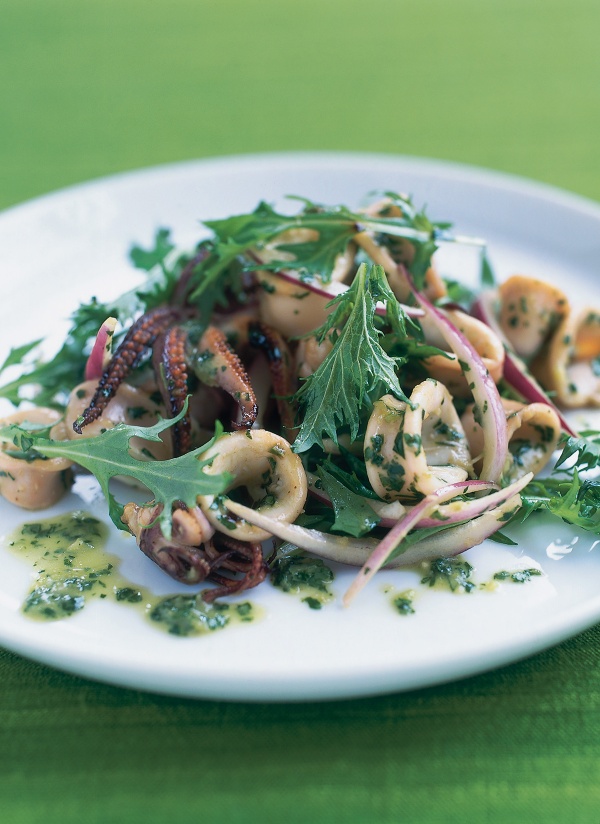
314,379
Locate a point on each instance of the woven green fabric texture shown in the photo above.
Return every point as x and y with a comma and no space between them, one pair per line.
89,89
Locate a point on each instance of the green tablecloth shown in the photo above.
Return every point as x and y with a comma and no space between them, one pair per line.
92,88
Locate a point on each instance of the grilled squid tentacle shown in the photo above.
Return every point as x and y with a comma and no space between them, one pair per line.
216,364
273,476
170,368
414,451
182,555
130,405
194,553
140,337
533,433
271,342
239,557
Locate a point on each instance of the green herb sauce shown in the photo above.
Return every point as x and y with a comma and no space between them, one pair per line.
403,602
452,573
303,575
71,567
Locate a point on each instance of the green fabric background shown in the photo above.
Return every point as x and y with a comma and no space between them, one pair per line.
87,89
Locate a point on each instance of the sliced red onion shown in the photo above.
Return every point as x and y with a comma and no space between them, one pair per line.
458,538
356,551
468,510
101,350
424,509
485,392
465,511
516,373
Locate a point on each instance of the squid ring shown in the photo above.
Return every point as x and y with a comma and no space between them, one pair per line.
40,483
529,312
569,365
287,307
272,474
533,434
448,369
414,451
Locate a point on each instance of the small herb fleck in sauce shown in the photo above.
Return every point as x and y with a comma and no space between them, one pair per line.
72,567
450,572
521,576
403,602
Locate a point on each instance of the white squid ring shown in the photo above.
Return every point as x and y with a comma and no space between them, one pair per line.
265,465
413,451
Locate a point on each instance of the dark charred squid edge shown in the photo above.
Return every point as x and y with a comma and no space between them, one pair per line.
170,368
206,562
183,563
229,374
271,342
140,337
181,293
239,557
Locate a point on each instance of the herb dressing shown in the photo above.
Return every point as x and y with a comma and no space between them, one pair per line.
72,567
304,576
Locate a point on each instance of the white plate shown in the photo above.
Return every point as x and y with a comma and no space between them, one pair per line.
65,247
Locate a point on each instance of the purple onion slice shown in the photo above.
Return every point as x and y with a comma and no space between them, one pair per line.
424,509
492,416
516,373
101,351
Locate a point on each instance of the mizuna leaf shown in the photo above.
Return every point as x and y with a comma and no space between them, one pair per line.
357,366
107,456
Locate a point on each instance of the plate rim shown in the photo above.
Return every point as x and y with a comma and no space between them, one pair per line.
448,169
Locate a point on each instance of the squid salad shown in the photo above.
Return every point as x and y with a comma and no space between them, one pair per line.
311,380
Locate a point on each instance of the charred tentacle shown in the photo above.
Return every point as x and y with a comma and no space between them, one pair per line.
170,368
216,364
191,555
271,342
140,336
183,563
181,294
181,556
239,557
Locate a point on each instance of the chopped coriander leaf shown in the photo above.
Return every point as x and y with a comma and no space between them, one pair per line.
295,571
521,576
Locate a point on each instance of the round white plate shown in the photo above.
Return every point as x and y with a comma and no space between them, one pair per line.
63,248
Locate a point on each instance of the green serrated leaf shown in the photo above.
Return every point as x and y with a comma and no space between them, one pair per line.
356,368
586,448
107,456
17,353
487,276
147,259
